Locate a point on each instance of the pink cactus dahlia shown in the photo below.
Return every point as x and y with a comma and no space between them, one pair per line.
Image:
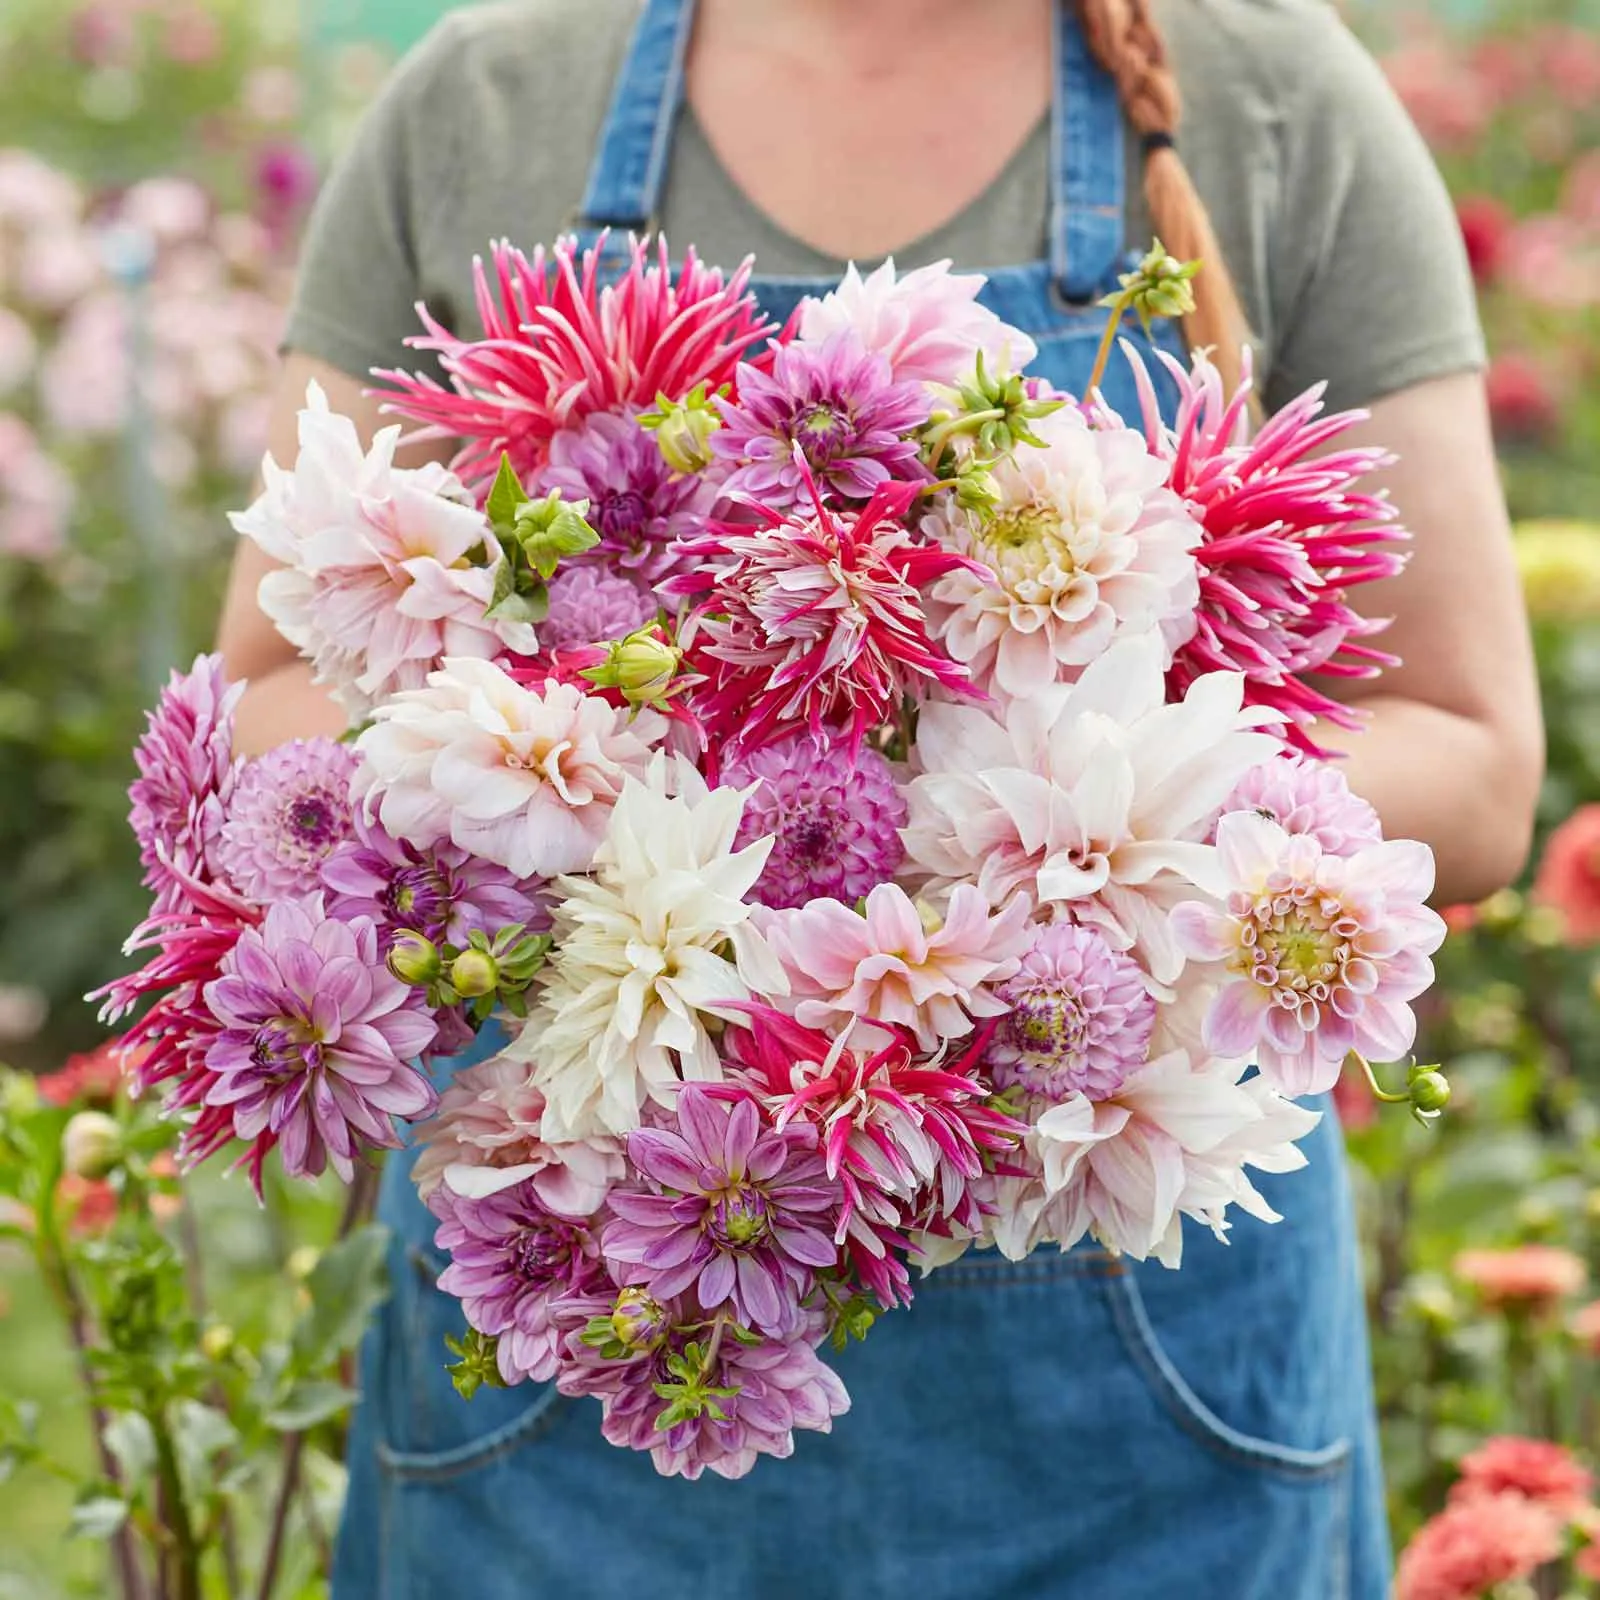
1325,953
1287,535
558,347
813,621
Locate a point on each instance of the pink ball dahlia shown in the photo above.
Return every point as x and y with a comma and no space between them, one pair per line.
1468,1550
1548,1474
512,1262
812,622
1080,1020
290,810
590,605
558,347
1325,953
742,1214
1310,797
637,504
1287,536
834,819
833,409
317,1040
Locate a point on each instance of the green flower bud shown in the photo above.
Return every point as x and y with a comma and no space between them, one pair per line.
91,1145
1502,911
1160,286
414,960
551,529
976,490
474,973
683,429
1544,928
639,1322
216,1343
642,667
477,1362
1430,1091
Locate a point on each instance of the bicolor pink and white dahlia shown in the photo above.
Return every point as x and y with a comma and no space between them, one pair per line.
1093,798
521,776
927,323
1324,954
384,571
1288,535
558,347
898,963
812,622
1086,543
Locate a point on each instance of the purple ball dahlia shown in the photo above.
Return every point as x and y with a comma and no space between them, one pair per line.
743,1214
1080,1021
838,402
835,820
589,605
317,1040
289,811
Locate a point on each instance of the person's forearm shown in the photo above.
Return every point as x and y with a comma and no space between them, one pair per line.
285,704
1463,788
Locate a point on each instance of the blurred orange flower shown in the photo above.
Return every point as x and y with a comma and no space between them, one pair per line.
1529,1277
1569,874
1585,1326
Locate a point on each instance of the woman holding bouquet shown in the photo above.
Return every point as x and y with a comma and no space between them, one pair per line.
1073,1424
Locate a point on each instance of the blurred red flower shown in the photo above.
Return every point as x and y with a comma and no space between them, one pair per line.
1468,1549
1485,222
1522,400
1542,1471
90,1203
1568,877
90,1078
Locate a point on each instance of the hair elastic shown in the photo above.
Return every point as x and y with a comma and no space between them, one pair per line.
1160,139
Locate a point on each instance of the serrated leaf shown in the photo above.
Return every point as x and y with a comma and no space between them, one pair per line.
506,495
308,1403
97,1515
349,1282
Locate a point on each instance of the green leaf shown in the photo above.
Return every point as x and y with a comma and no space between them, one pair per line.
203,1433
130,1441
307,1403
530,608
97,1515
506,495
348,1284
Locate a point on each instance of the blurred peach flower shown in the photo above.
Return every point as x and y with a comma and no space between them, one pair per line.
1469,1549
90,1203
1527,1277
1568,875
1544,1472
1460,919
1450,103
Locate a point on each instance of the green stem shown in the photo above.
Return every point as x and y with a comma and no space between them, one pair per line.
1372,1082
186,1548
1102,356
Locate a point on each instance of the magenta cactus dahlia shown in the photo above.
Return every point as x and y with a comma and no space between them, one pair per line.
742,1216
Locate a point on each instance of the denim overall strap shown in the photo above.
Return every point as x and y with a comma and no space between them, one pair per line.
1086,167
629,167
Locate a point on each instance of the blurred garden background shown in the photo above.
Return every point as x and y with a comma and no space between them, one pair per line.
157,159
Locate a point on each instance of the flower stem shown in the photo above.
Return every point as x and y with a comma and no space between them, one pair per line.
1102,356
1372,1082
175,1508
709,1364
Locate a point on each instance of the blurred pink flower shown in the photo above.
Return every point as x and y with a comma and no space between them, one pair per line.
1467,1550
18,350
1585,1326
192,37
33,193
1553,261
271,94
1568,875
57,266
36,496
1541,1471
1568,64
170,209
1450,103
1523,402
1580,189
101,35
1527,1277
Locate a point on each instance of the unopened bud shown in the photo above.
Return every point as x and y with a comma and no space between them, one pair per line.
414,959
216,1343
639,1322
1160,286
91,1145
1430,1091
474,973
683,429
551,529
641,667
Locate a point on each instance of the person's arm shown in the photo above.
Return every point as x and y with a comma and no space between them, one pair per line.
1453,751
281,702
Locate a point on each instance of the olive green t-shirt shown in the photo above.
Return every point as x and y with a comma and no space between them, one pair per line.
1330,213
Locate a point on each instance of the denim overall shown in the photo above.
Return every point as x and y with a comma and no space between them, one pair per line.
1069,1426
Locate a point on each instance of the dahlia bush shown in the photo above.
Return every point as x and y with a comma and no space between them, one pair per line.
861,784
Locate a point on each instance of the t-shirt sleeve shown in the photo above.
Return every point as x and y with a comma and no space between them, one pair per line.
1368,275
360,273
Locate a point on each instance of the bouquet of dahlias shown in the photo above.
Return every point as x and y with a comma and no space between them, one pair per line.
874,796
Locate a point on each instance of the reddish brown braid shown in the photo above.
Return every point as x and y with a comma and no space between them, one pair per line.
1126,41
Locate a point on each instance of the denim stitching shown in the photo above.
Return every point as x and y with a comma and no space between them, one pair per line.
1194,1416
439,1466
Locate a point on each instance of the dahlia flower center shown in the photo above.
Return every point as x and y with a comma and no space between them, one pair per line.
738,1219
283,1046
1026,543
823,431
416,895
620,513
1049,1022
540,1250
1297,943
812,839
312,822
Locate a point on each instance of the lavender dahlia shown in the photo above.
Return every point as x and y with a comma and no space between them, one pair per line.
1310,797
1080,1021
834,819
742,1216
637,504
835,404
511,1262
289,811
589,605
316,1040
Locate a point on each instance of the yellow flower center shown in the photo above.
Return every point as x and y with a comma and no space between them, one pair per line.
1026,546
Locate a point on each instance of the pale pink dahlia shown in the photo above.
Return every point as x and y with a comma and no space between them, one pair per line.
899,963
1324,953
834,819
558,347
1080,1018
927,323
317,1040
524,777
1287,536
812,622
1468,1551
512,1261
829,413
1087,542
589,605
487,1135
739,1213
289,811
186,775
1306,796
637,504
760,1394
